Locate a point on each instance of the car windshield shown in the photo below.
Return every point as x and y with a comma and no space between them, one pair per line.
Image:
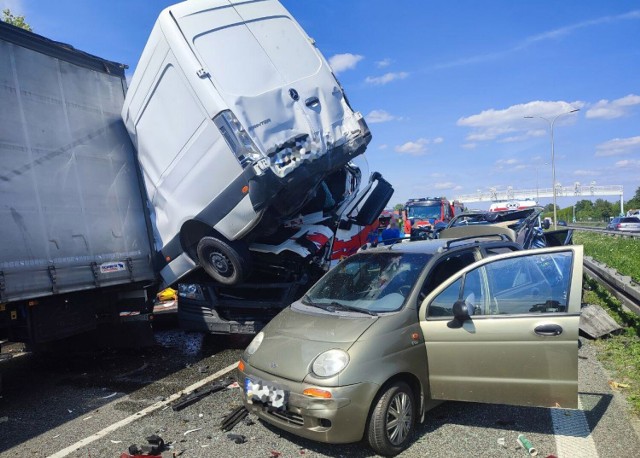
424,211
368,282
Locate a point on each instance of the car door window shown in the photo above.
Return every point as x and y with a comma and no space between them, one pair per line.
533,284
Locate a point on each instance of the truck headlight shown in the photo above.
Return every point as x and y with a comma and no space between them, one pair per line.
237,138
190,291
255,343
330,363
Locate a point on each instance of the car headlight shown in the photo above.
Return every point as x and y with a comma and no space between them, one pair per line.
255,343
330,363
190,291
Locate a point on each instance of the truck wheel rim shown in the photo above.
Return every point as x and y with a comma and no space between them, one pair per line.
399,417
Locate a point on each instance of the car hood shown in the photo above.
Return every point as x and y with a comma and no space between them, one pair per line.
293,340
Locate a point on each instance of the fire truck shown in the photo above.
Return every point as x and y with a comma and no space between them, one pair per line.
425,215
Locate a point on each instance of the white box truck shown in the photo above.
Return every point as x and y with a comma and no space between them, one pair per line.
237,119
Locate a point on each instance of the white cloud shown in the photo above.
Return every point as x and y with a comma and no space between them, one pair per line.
585,173
16,6
554,34
626,163
618,146
383,63
383,146
415,148
495,124
614,109
469,145
438,140
346,61
386,78
378,116
445,185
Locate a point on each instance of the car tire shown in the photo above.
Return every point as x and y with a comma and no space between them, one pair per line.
392,421
225,262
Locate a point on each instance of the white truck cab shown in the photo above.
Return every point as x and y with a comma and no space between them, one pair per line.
236,116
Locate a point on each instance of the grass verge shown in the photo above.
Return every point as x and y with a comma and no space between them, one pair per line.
620,354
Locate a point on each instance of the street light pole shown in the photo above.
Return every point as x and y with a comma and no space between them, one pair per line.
553,163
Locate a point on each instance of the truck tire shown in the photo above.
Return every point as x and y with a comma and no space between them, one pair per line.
225,262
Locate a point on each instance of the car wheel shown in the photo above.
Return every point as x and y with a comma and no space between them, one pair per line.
392,420
225,262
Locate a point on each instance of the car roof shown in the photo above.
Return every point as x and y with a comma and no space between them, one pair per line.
434,246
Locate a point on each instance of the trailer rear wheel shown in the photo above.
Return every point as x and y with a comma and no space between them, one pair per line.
225,262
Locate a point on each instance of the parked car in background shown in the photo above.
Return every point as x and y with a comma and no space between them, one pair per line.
613,223
392,331
625,224
562,222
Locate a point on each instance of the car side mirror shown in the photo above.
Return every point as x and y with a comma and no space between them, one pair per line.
546,224
462,311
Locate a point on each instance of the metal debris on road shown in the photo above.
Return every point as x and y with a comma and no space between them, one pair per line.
528,446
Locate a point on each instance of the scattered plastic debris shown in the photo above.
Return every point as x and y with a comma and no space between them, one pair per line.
200,415
502,442
70,411
153,450
191,431
56,436
86,418
234,385
233,418
528,446
110,395
237,438
4,419
201,393
115,442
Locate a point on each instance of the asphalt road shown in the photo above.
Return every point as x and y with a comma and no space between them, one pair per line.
50,403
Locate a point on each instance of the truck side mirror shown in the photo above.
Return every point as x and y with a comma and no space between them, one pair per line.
546,224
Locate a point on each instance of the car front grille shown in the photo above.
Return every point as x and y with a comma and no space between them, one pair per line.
289,417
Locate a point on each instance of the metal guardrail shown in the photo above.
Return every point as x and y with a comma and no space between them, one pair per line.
633,235
620,286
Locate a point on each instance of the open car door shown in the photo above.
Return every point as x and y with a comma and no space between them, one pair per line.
504,330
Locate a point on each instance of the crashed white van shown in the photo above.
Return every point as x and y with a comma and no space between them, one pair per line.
237,119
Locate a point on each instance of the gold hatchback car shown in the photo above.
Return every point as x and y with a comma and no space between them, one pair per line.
392,331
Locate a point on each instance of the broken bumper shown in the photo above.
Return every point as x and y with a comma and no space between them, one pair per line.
341,419
264,188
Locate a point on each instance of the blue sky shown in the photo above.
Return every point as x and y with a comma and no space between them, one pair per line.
445,86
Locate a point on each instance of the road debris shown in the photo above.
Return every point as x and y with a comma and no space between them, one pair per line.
617,385
233,418
595,322
201,393
502,442
237,438
110,395
189,431
153,450
528,446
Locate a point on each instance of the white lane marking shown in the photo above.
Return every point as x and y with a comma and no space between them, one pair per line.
573,437
109,429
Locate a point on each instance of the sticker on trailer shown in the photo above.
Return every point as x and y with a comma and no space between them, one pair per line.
110,267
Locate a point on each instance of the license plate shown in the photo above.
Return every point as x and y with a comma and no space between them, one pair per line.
265,393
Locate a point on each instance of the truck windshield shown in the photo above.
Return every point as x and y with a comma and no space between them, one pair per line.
424,211
370,282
